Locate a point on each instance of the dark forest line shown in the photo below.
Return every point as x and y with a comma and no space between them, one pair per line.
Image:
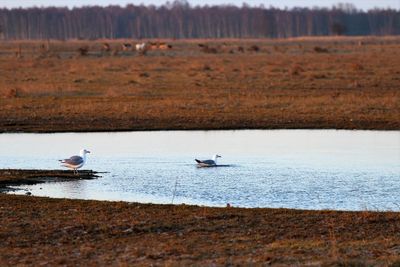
180,20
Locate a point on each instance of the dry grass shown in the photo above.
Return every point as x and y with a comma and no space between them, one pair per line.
283,84
42,231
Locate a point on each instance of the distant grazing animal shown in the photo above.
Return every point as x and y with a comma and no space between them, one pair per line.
142,48
208,162
18,53
83,51
240,49
210,50
126,47
75,162
224,48
106,47
206,49
164,46
254,48
153,46
43,48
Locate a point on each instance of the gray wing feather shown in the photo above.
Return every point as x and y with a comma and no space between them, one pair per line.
74,160
208,162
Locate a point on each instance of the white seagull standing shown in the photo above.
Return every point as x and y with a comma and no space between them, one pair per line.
75,162
208,162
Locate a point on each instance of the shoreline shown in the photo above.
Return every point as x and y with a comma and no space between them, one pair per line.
199,129
111,201
20,177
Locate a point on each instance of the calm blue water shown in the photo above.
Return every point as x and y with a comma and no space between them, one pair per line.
303,169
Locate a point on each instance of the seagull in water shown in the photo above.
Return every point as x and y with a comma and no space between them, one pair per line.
208,162
75,162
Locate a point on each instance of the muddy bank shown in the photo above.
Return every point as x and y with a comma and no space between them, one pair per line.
15,177
93,123
44,231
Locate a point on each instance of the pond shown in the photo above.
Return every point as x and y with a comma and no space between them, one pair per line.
301,169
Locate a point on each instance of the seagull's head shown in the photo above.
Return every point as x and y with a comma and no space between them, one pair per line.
84,152
216,156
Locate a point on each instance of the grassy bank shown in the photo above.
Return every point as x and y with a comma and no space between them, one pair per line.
74,232
343,83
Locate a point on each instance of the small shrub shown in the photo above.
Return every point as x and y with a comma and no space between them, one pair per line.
254,48
207,68
210,50
144,74
79,80
318,49
395,264
357,67
296,70
318,76
11,93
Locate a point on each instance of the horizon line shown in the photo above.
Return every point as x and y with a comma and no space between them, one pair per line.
171,5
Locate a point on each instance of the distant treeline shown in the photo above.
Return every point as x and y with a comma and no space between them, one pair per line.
180,20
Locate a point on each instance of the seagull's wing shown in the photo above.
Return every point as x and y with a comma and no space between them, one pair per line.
207,162
74,160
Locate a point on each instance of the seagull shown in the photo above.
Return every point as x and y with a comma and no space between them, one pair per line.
75,162
208,162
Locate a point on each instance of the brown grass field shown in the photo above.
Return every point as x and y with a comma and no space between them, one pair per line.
342,83
59,232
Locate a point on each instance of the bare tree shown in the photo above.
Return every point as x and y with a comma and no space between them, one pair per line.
177,19
338,28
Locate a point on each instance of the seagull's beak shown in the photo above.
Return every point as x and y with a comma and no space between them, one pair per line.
87,151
